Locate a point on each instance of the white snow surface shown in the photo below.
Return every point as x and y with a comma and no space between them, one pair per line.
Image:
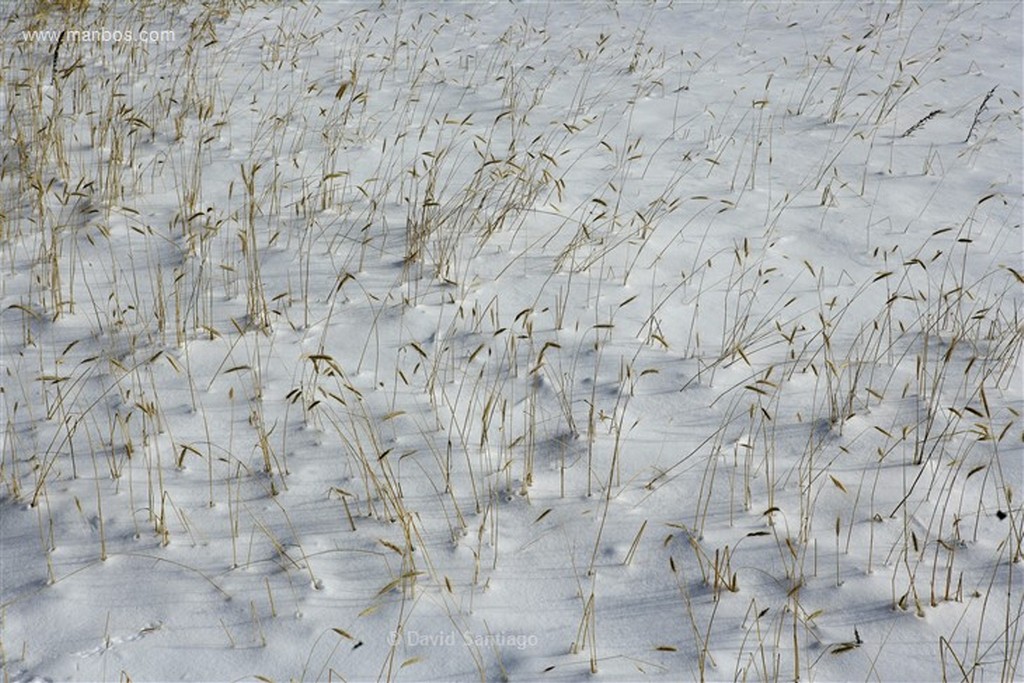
521,340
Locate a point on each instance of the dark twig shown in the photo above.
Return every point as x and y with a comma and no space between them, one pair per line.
56,54
910,131
977,114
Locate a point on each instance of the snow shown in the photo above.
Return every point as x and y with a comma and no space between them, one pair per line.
527,341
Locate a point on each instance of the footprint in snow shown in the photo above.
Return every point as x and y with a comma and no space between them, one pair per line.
110,642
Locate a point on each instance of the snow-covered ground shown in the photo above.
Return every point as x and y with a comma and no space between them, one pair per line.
515,340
